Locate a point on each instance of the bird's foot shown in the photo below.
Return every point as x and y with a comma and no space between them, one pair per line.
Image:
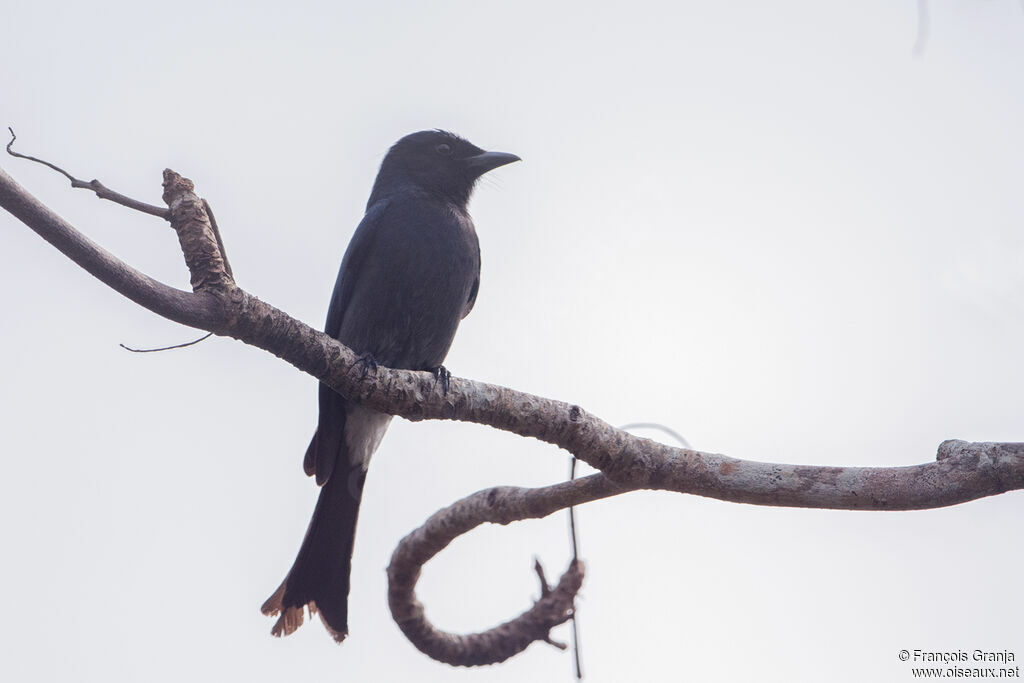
369,364
442,375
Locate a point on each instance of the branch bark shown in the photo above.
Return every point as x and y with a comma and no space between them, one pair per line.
962,471
499,505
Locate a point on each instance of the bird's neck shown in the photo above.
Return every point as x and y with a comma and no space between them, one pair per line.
392,182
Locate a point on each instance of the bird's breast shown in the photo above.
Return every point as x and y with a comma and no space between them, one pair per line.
413,288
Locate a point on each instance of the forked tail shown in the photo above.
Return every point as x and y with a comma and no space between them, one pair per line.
319,578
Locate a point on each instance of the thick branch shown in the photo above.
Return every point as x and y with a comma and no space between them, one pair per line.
970,471
500,505
202,311
963,471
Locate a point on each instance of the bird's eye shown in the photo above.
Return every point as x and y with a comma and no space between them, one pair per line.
443,149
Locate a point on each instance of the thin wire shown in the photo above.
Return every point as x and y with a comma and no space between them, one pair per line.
654,425
575,558
923,28
572,527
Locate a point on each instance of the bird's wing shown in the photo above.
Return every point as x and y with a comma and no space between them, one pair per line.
326,445
351,265
471,300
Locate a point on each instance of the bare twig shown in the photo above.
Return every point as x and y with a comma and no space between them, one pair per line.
220,242
168,348
545,587
102,191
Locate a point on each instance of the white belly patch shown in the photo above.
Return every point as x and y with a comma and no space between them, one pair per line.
364,430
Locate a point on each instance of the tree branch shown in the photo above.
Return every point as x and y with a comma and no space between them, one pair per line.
201,311
101,190
199,238
962,472
499,505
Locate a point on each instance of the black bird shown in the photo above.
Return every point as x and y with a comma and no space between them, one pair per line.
409,276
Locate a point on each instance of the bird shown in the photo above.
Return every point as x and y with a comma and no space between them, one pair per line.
409,276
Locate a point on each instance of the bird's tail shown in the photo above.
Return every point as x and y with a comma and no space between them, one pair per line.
319,578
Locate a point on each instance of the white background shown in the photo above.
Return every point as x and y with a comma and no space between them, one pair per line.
768,225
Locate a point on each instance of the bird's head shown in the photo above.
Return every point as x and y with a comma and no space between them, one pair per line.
439,162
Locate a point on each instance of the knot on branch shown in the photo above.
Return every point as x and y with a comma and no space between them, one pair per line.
175,186
200,245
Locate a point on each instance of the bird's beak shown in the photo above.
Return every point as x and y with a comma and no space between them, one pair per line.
488,161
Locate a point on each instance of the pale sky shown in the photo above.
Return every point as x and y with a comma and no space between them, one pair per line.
769,226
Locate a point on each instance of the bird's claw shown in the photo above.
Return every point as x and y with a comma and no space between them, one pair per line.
369,364
442,375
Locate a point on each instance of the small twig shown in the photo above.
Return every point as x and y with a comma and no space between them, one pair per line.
167,348
545,593
220,242
104,192
545,587
557,643
101,190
